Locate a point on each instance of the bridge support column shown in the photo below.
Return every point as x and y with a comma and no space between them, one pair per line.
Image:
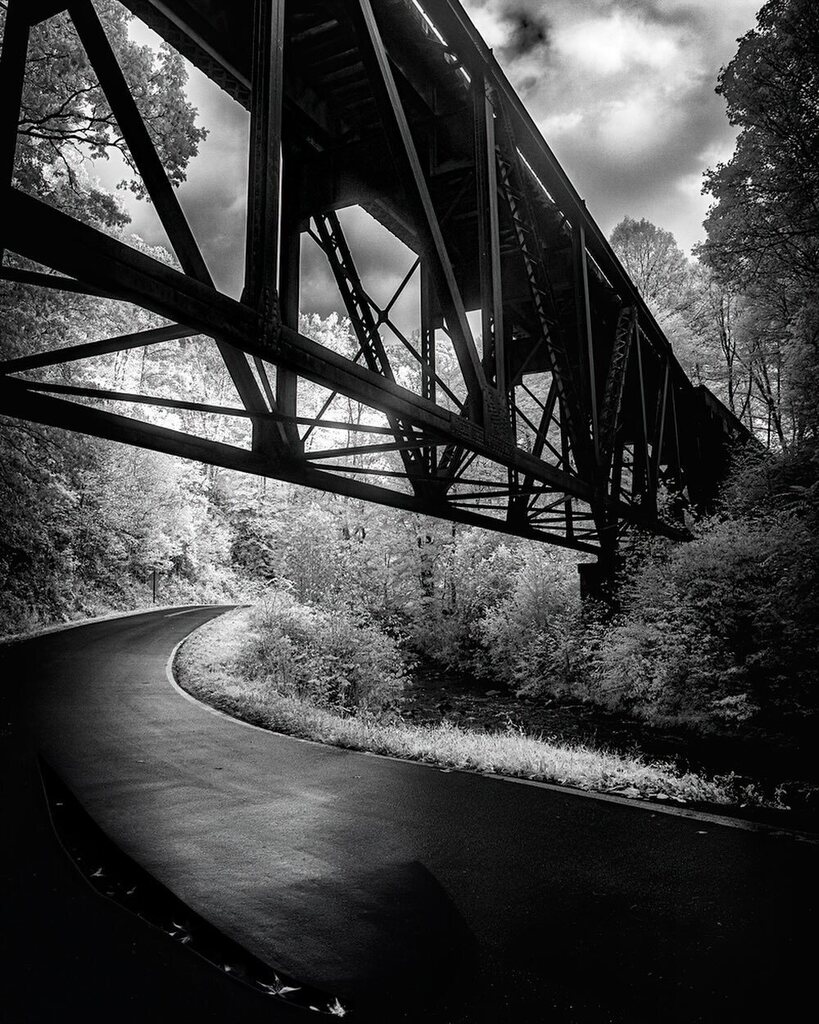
597,581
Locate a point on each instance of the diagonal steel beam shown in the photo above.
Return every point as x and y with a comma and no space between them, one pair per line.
58,356
615,384
516,186
138,139
55,281
404,153
520,506
136,135
359,309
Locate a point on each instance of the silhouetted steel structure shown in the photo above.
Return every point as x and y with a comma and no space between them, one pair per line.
569,419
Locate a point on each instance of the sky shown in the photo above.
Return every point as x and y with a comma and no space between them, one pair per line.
622,90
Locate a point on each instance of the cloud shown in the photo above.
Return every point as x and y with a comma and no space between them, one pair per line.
623,91
624,94
617,43
526,31
213,197
381,260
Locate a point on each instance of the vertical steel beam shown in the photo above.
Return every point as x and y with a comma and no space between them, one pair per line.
486,175
402,148
645,483
680,472
12,77
659,428
262,238
567,501
585,333
428,358
616,486
289,288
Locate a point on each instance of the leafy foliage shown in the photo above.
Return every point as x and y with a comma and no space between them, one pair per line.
766,213
721,633
654,261
207,667
65,117
720,630
696,312
332,657
763,228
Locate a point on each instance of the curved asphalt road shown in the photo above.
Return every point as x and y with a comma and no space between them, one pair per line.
412,893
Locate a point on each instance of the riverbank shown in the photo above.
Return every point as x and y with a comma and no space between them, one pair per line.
208,667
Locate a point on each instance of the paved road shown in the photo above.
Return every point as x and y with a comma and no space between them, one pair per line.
412,893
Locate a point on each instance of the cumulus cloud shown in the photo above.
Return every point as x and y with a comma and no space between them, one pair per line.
624,94
618,43
214,195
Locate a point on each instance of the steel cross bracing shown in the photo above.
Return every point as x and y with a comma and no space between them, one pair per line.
572,422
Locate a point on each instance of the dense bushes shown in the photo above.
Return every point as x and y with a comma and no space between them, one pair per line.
724,630
330,656
88,523
721,633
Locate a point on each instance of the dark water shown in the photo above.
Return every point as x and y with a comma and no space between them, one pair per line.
768,760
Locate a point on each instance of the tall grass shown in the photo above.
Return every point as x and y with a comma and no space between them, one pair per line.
209,667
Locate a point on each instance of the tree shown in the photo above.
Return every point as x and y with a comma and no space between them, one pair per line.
86,521
716,357
667,282
765,217
65,118
763,227
654,261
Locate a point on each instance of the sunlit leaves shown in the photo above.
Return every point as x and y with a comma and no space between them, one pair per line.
65,118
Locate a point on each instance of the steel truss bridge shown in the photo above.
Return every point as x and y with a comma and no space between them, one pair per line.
570,418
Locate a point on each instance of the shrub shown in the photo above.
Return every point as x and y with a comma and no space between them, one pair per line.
721,631
479,574
527,638
328,656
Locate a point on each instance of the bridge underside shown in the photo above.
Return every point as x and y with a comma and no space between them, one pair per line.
570,419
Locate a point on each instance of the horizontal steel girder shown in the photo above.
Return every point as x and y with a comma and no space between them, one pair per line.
41,233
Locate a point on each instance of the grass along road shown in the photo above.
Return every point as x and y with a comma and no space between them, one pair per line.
208,666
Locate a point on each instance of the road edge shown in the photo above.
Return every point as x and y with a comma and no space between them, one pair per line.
60,627
726,821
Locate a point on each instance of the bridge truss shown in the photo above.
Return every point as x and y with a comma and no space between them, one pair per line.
570,421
